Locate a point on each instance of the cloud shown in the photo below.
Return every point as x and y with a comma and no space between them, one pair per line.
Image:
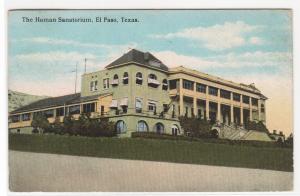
217,37
257,59
54,41
256,41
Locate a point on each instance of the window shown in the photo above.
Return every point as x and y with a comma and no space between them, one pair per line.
93,85
166,107
96,85
165,85
138,105
225,94
245,99
49,113
186,111
106,83
151,106
262,108
60,111
121,127
152,81
175,130
74,109
236,97
213,91
102,110
15,118
173,84
26,117
159,128
152,76
88,108
139,78
125,78
188,85
115,81
142,126
201,88
254,102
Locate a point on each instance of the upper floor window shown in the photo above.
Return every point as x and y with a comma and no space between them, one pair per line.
139,78
213,91
152,106
15,118
49,113
125,78
115,81
262,108
75,109
152,76
138,105
26,117
88,108
173,84
245,99
94,85
106,83
236,97
225,94
152,81
254,101
201,88
60,111
188,85
165,84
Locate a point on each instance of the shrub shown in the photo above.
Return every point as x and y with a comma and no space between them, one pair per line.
40,123
195,127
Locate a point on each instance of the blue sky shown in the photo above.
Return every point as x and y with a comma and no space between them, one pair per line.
240,45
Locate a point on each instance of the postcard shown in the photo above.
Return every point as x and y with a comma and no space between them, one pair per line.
150,100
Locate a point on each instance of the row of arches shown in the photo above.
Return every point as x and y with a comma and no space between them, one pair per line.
142,126
139,79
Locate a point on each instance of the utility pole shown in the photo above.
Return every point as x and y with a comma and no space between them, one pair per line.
76,77
85,65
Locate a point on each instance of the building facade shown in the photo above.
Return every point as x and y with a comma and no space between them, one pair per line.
139,93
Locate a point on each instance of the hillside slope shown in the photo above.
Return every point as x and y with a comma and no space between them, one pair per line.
18,99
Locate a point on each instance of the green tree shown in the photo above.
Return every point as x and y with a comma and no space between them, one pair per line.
40,123
195,127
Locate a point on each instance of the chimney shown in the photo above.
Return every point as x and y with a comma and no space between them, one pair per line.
146,56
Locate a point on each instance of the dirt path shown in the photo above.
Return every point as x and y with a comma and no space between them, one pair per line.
31,172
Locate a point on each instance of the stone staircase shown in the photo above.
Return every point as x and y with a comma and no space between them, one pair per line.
231,132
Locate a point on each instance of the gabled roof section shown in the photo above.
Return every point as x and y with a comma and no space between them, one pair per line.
143,58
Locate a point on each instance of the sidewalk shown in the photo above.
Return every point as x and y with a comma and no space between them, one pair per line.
30,172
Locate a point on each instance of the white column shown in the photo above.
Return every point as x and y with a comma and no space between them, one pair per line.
231,109
219,107
195,101
259,109
180,97
250,106
242,108
207,104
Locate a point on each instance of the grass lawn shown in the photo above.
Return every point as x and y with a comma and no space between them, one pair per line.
193,152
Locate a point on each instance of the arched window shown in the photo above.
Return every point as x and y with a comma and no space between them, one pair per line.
159,128
121,127
142,126
125,78
115,81
175,130
152,76
152,81
139,78
165,84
